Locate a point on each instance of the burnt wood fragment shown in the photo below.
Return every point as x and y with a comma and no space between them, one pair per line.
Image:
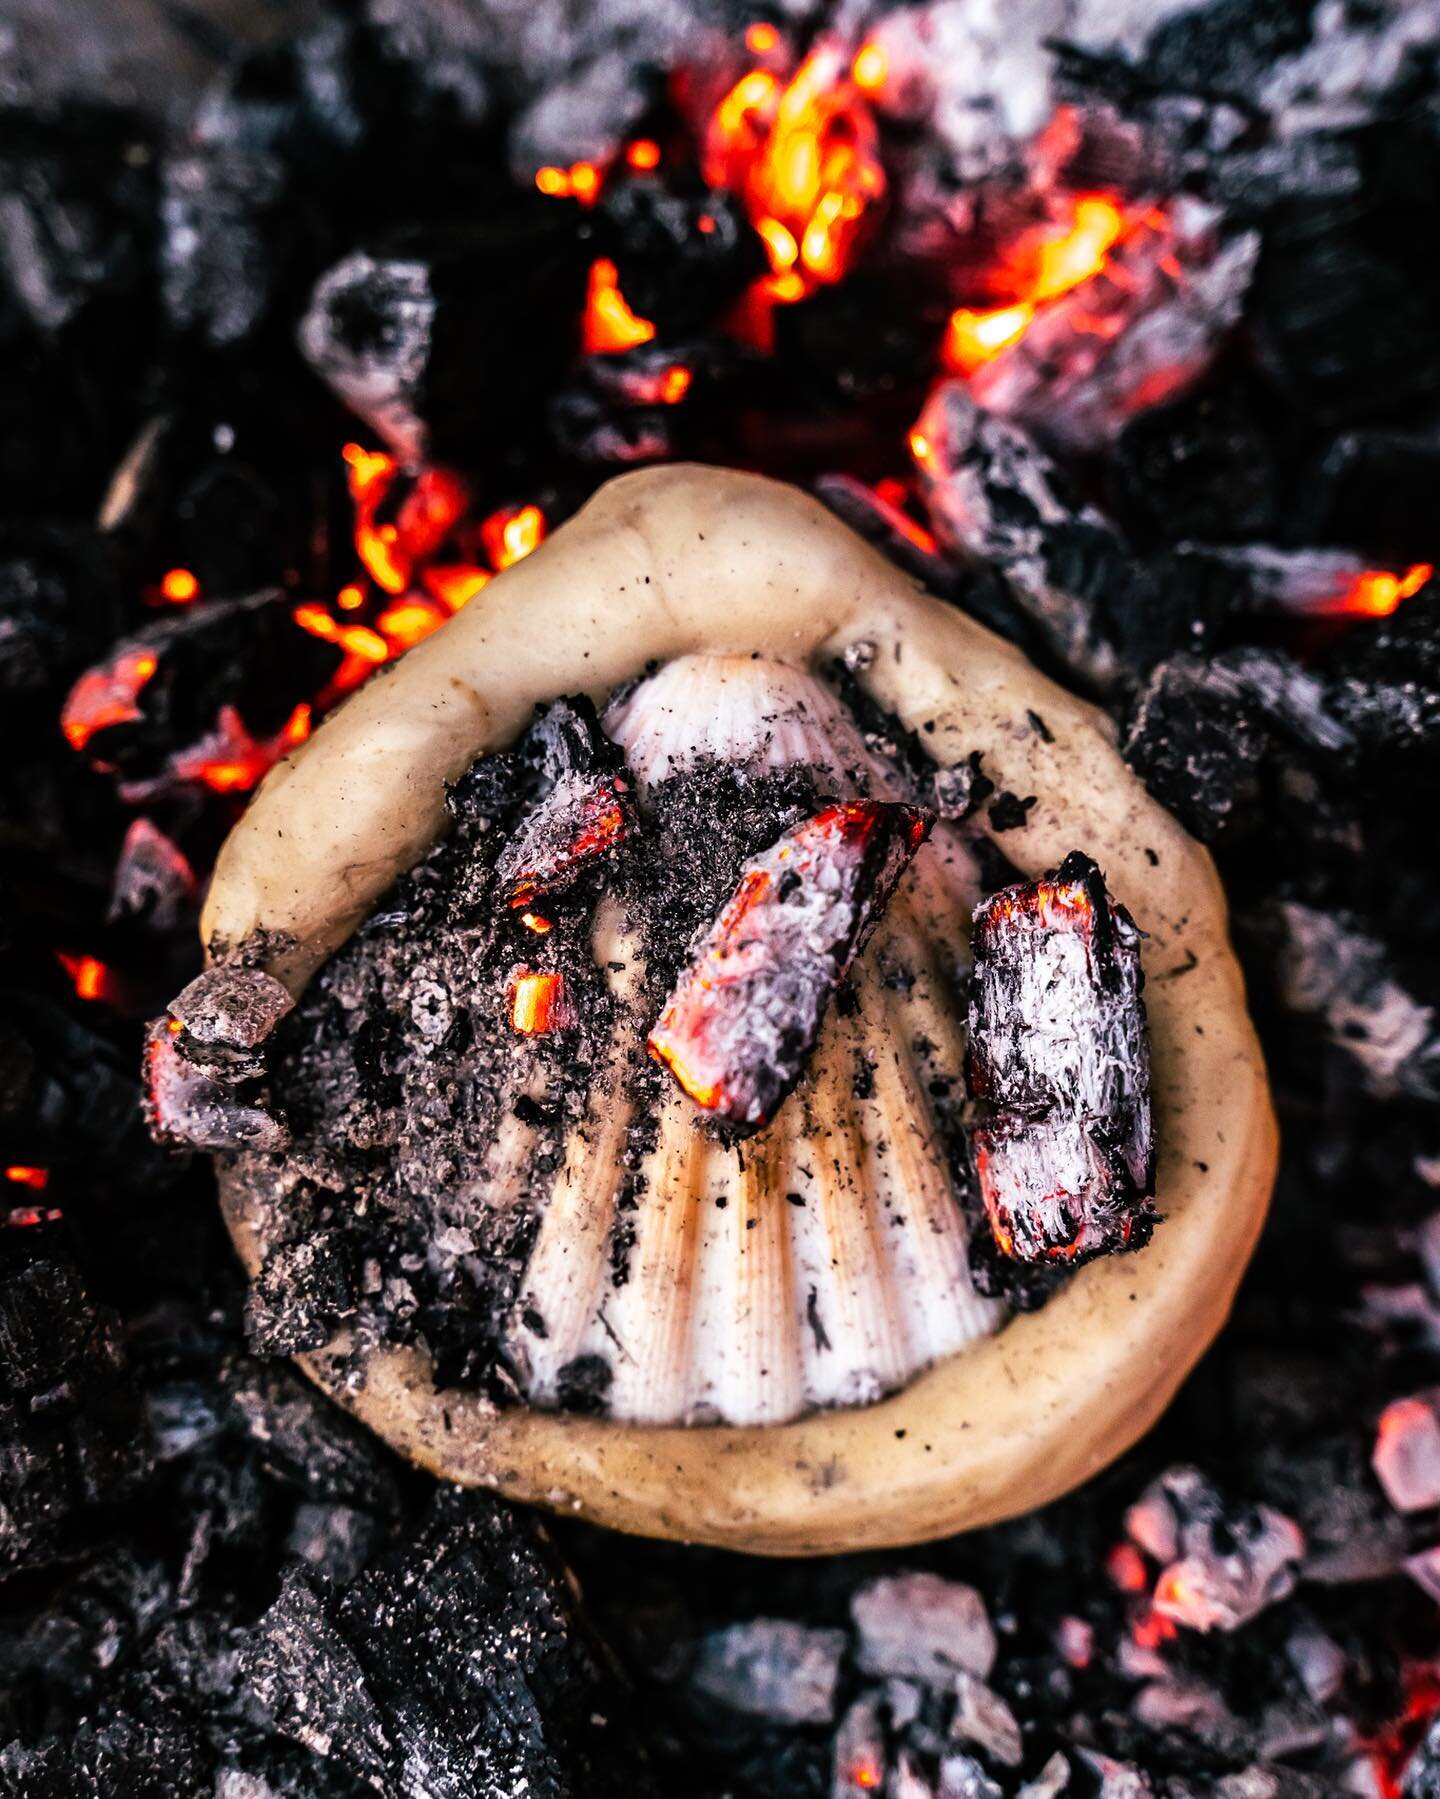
1059,1069
738,1028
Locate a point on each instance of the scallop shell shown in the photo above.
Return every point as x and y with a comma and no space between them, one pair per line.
823,1262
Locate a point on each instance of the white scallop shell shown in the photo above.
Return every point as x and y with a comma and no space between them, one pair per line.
823,1262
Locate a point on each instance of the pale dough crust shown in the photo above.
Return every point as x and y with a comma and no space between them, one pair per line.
679,559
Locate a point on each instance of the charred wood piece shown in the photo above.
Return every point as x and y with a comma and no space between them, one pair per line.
189,1107
582,820
738,1028
1060,1070
225,1016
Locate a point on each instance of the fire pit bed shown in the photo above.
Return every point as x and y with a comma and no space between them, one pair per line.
665,564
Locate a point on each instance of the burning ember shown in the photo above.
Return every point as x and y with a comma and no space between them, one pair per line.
802,151
106,696
1059,1067
539,1003
610,325
1046,261
738,1029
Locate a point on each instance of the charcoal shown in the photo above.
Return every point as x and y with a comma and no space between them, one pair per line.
771,1669
599,433
1386,691
302,1292
993,493
1207,737
455,1664
68,1097
583,819
408,334
187,1107
226,1014
1145,328
982,1717
1224,1563
1202,467
305,1676
883,524
1064,1152
154,882
859,1750
217,210
961,789
1225,47
960,1777
76,213
1327,965
921,1626
673,272
1406,1457
738,1039
1420,1778
60,604
1371,490
1340,323
304,1442
1052,1779
160,692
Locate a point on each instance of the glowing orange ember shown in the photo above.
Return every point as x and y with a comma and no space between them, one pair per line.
537,922
106,696
427,512
803,155
179,586
869,69
581,181
90,977
1126,1568
643,154
1376,594
609,324
511,533
36,1178
538,1003
1045,262
230,759
455,585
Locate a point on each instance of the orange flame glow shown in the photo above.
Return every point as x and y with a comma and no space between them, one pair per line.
1044,263
609,324
1376,594
38,1179
538,1003
231,760
91,978
179,586
106,696
803,155
581,181
511,533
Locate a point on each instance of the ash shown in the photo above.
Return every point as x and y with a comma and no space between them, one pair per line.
212,1583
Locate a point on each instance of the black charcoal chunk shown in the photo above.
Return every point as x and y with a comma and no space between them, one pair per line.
1059,1069
1206,737
454,1665
302,1293
674,271
60,604
408,334
961,789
